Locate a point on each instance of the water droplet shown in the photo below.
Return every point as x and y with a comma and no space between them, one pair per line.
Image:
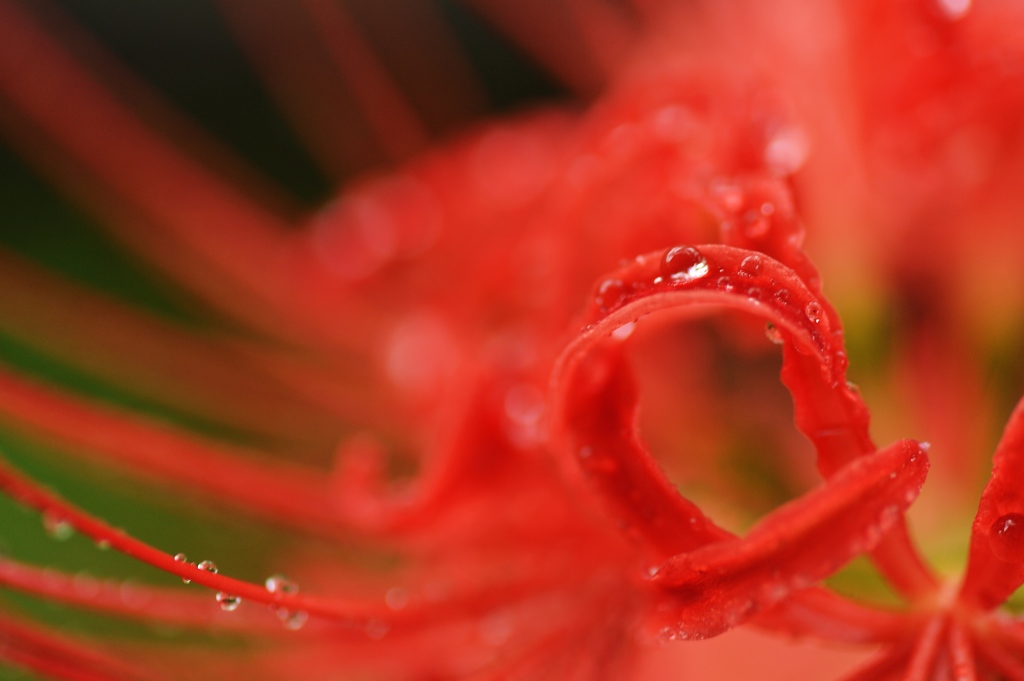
814,311
228,603
610,294
396,598
773,333
842,360
1006,537
182,558
725,284
57,527
292,620
754,293
751,265
279,584
624,331
668,634
782,296
208,566
683,263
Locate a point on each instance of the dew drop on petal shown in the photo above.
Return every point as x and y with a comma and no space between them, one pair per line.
624,331
279,584
683,263
228,603
842,361
208,566
1006,537
58,528
182,558
610,294
751,265
292,620
725,284
668,634
782,296
813,311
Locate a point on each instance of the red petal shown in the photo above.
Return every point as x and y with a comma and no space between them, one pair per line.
996,565
961,654
720,585
54,657
595,399
822,614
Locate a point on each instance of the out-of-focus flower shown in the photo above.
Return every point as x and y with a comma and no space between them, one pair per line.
429,387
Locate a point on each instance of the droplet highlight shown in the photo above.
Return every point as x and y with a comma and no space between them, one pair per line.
751,265
1006,537
813,310
279,584
683,263
610,294
182,558
228,603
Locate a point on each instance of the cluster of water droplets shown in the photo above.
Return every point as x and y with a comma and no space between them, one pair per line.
228,602
291,619
683,264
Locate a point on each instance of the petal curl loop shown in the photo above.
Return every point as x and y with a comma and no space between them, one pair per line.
594,424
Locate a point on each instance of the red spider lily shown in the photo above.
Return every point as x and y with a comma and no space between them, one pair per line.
450,307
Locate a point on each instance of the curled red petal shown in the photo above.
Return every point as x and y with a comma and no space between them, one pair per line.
996,564
595,399
721,585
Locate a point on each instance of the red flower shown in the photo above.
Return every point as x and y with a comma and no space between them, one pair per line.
449,309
